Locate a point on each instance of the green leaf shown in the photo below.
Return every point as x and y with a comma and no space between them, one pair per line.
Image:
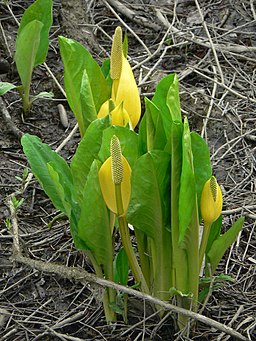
214,233
125,45
43,94
40,10
58,188
223,242
86,152
45,163
156,138
87,101
148,212
94,225
5,87
121,267
201,162
173,99
142,136
166,99
76,59
187,196
148,208
105,68
27,45
128,140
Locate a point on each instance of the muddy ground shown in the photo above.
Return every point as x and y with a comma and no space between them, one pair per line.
215,63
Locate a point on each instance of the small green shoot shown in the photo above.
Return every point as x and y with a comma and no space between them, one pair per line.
8,224
31,49
17,203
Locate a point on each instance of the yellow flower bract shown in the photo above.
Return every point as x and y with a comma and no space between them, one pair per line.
211,201
125,90
108,187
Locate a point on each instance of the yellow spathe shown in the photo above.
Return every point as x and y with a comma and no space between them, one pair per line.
119,116
108,187
211,201
125,90
104,109
124,87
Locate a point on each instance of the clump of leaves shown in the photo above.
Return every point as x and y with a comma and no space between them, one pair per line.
159,180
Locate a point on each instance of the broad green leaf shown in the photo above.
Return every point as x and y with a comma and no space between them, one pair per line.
105,68
27,45
58,187
86,152
125,45
179,256
94,224
188,215
76,59
214,233
40,10
223,242
149,212
74,218
40,155
121,267
166,99
187,196
148,209
128,140
5,87
87,101
156,138
142,140
201,162
173,99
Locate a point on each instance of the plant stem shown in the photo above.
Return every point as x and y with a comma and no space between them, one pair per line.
179,256
193,258
142,243
206,231
108,292
24,94
124,231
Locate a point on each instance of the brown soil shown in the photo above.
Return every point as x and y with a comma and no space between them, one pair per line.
36,305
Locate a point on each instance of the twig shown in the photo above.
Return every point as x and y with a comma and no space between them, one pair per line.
65,141
253,100
210,41
8,120
132,15
235,140
84,278
203,133
253,9
55,79
125,25
240,309
160,45
5,40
